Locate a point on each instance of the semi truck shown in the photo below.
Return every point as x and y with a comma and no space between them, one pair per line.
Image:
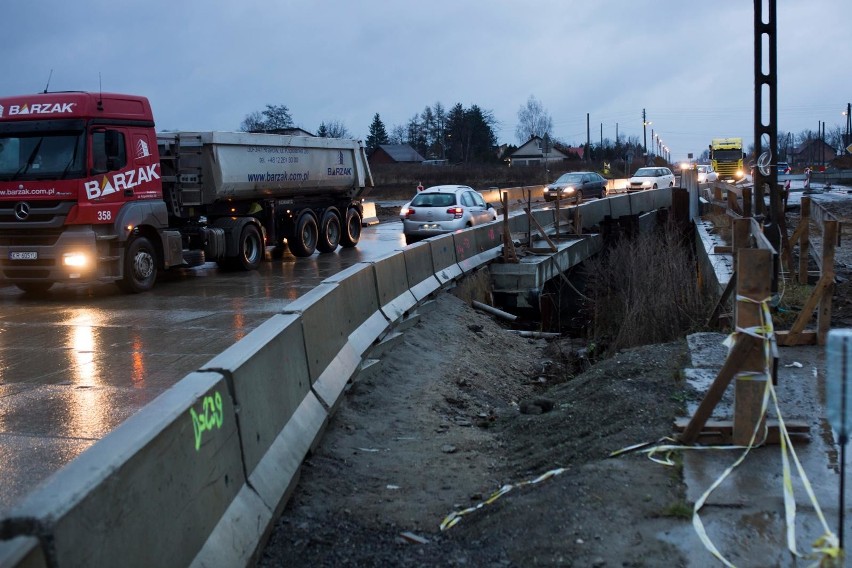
726,156
90,192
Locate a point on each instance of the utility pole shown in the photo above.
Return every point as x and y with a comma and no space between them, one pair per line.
616,133
644,131
766,134
847,139
588,139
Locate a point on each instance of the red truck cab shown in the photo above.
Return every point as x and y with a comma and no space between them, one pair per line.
80,180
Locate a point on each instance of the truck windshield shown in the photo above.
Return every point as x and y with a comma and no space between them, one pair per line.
728,155
42,155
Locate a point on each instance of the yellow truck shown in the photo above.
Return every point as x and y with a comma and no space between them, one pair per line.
726,155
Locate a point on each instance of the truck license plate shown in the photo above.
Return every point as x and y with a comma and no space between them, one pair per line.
23,255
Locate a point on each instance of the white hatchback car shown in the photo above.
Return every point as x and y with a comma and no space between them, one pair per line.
706,174
650,178
443,209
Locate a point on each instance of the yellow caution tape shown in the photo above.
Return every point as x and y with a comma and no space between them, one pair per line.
825,549
453,518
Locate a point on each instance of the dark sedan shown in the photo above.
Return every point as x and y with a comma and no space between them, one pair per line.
569,185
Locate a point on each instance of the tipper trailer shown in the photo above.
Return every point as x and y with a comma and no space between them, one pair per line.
90,192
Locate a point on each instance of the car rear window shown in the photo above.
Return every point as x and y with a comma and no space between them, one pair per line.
433,200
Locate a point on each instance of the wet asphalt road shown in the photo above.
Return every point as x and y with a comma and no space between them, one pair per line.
78,361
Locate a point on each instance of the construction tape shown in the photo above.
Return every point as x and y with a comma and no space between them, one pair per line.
826,548
453,518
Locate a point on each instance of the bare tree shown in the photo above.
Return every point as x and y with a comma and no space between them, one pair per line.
333,129
398,134
533,120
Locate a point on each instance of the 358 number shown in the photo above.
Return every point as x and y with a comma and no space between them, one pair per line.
105,215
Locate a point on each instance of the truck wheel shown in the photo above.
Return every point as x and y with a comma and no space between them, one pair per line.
140,266
329,233
304,241
249,248
352,231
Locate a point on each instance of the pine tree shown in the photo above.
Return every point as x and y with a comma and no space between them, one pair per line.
378,135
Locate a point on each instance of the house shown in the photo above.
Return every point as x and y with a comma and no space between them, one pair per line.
532,153
812,152
395,154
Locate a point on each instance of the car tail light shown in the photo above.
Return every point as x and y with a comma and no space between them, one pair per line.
456,212
408,211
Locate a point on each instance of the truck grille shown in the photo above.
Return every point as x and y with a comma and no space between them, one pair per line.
41,214
35,238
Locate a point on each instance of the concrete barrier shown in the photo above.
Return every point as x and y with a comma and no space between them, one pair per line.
151,492
280,418
341,320
395,296
23,552
422,281
444,264
479,245
369,217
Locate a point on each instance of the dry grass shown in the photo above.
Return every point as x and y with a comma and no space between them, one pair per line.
644,290
793,298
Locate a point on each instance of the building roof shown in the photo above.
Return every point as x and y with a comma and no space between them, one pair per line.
401,153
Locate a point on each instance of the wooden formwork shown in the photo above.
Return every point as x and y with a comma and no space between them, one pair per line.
820,297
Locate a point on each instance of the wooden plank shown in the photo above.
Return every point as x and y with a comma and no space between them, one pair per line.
742,348
831,230
802,338
748,403
720,432
754,267
804,240
540,230
509,254
713,320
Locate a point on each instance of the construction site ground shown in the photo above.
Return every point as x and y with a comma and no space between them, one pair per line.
463,407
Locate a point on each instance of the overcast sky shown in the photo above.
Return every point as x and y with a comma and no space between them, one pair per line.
206,64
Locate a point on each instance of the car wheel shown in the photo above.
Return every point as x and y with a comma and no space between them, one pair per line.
655,186
603,194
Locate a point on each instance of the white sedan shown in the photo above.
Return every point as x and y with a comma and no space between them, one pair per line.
706,174
650,178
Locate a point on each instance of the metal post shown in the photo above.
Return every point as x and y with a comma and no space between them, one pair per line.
770,130
644,131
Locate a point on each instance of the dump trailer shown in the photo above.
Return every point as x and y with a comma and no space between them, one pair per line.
726,156
89,192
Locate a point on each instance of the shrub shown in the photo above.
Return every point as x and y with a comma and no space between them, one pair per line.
644,290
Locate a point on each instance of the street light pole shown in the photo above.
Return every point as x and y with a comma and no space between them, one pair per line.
644,131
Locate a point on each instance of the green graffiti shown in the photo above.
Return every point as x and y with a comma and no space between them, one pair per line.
211,415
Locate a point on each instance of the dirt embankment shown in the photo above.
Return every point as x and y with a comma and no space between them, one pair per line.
438,429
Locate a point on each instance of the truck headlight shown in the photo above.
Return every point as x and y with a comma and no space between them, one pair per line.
75,259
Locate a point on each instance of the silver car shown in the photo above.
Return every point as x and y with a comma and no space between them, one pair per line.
650,178
443,209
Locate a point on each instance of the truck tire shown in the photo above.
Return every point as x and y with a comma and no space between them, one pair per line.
305,235
140,266
249,249
329,232
352,230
